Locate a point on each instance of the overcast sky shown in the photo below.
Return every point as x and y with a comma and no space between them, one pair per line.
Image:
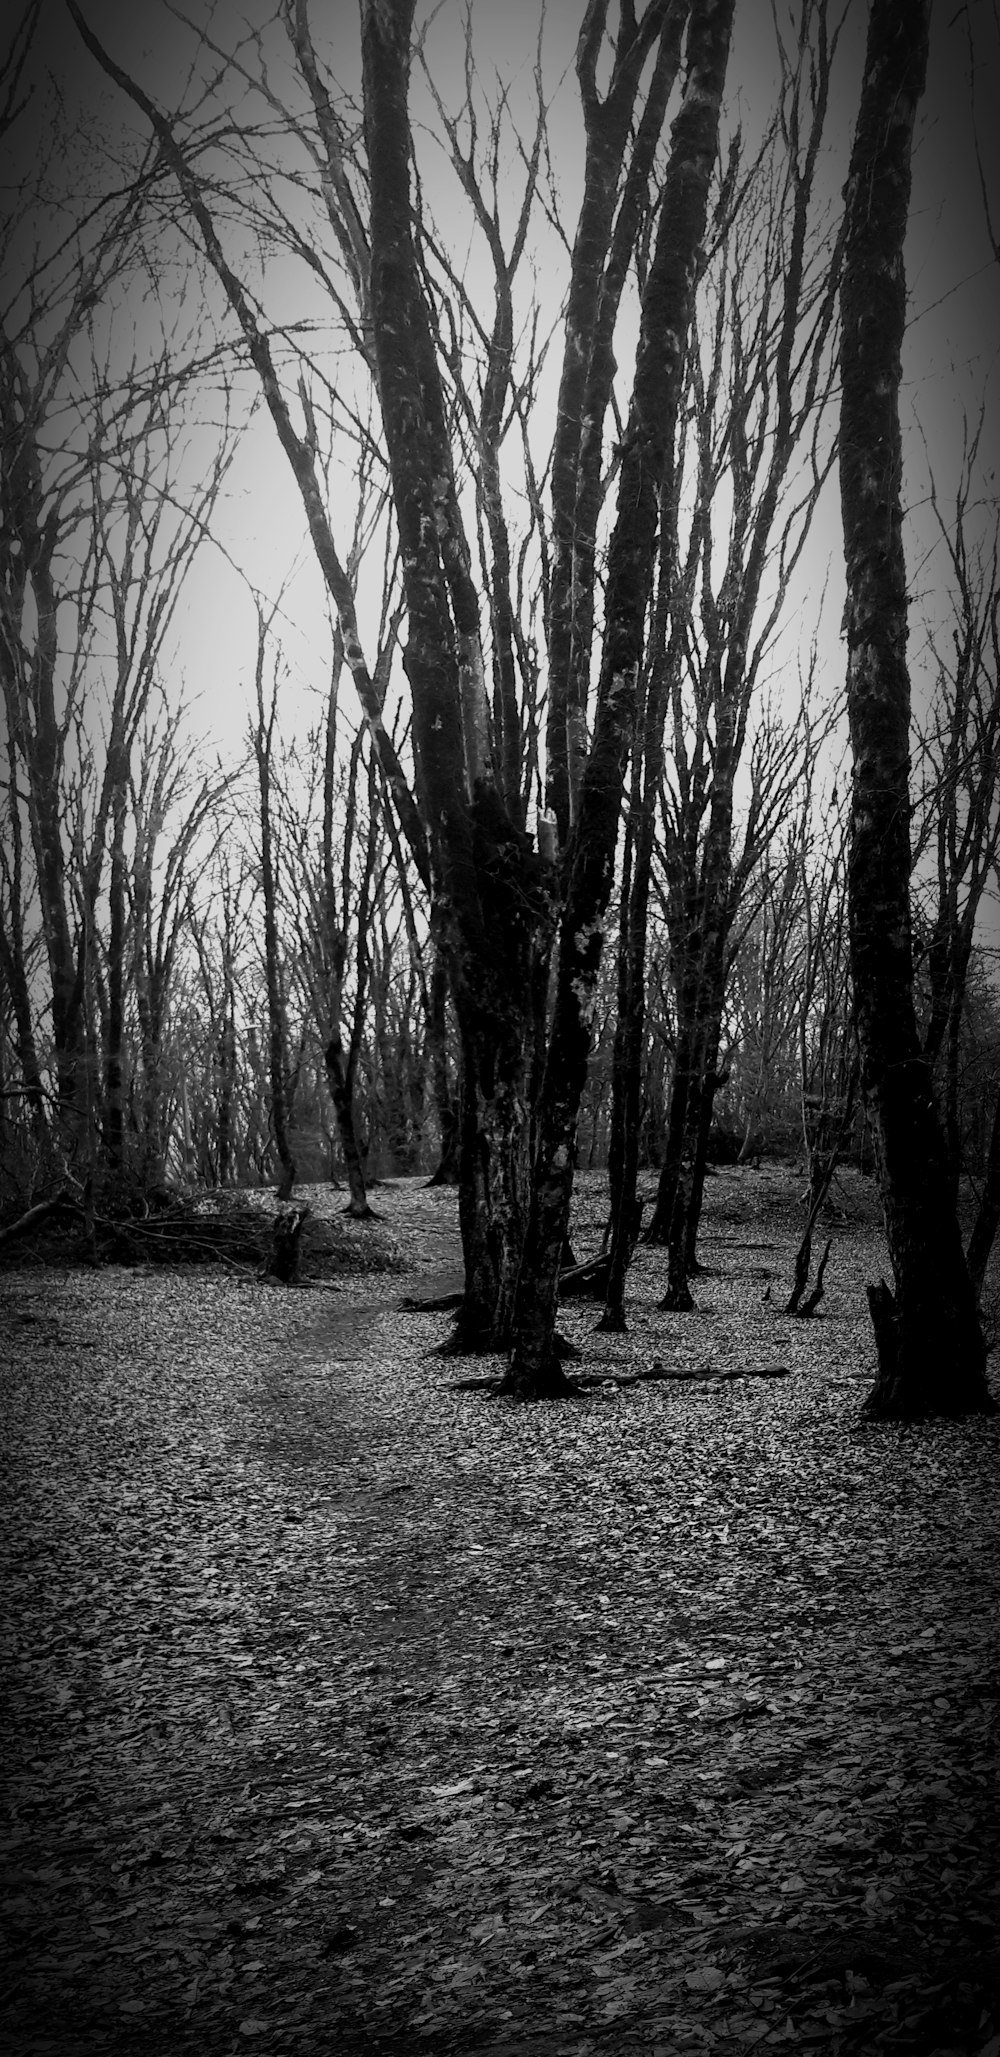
951,357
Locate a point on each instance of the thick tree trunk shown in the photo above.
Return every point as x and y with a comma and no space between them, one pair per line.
494,1173
492,894
931,1354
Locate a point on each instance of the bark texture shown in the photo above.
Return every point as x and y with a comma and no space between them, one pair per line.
931,1354
491,891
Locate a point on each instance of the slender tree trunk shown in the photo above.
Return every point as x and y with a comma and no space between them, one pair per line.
683,1077
988,1217
446,1172
952,1091
343,1107
626,1075
14,971
491,891
277,1027
114,1112
668,304
931,1354
630,1028
602,251
712,1081
826,1131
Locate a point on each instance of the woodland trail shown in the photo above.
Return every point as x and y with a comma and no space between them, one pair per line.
349,1712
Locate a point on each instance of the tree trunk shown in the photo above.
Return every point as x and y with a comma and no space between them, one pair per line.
826,1134
931,1353
114,1110
446,1172
687,940
343,1107
988,1217
712,1081
602,252
277,1028
648,455
492,893
626,1070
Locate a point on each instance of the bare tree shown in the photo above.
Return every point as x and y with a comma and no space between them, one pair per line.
828,1061
281,1071
102,522
646,483
760,386
219,924
494,895
177,821
931,1354
762,1001
957,808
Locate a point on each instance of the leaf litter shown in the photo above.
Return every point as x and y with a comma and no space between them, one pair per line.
350,1711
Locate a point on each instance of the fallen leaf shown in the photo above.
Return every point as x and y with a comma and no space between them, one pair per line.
707,1979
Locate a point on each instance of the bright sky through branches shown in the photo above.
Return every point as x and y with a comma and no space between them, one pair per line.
950,367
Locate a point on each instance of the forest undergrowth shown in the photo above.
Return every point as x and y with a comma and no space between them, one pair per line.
350,1712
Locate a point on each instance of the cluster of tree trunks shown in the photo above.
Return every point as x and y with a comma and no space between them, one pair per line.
519,919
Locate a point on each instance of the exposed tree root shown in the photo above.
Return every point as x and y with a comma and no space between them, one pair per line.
464,1341
657,1374
611,1324
551,1384
677,1300
908,1386
446,1303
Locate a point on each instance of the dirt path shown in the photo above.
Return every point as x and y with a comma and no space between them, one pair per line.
349,1712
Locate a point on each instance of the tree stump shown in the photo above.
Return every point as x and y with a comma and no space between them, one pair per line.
283,1263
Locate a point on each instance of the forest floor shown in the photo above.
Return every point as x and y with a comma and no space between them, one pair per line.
350,1713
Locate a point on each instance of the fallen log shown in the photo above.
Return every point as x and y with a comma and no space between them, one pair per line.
34,1215
588,1281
